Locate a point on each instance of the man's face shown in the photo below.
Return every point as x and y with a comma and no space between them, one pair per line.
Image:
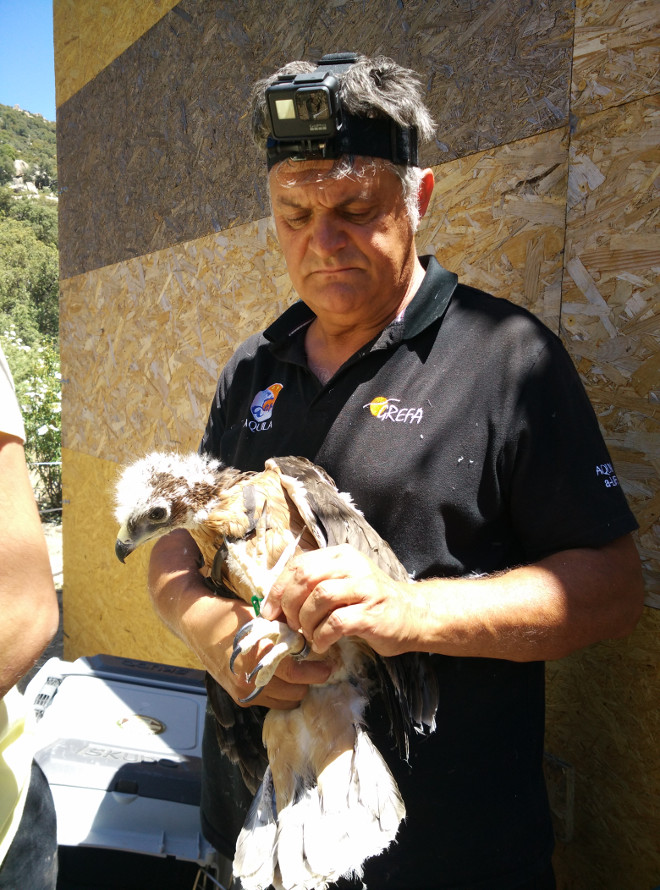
348,242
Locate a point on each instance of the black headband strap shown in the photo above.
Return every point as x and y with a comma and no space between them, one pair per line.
377,137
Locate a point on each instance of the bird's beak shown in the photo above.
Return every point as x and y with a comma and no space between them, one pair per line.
124,544
123,549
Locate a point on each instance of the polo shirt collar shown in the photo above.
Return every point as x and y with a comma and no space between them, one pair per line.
428,305
431,300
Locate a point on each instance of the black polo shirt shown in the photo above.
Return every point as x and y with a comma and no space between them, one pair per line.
465,436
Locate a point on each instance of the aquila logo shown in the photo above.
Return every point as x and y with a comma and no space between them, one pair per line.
262,407
391,409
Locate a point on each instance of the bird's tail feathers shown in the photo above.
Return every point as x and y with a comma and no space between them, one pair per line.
255,858
331,828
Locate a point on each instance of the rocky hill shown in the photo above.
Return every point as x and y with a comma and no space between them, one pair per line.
28,151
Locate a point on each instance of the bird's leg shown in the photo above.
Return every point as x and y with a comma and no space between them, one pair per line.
285,641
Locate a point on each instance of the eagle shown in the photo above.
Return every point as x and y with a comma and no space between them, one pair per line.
324,797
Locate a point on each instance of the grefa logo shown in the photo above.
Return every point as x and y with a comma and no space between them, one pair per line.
261,408
391,409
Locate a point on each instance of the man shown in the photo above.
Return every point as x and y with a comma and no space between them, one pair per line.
459,426
30,615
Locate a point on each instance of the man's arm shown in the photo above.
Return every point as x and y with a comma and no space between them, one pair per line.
207,624
533,613
28,603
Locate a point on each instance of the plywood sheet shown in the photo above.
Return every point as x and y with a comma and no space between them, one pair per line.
106,605
143,342
497,220
617,53
156,149
610,314
88,36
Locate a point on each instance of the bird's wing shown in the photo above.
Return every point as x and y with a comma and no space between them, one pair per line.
407,682
332,517
239,732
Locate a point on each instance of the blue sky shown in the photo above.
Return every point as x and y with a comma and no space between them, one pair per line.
27,76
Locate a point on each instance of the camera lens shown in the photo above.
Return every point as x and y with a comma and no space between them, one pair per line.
312,105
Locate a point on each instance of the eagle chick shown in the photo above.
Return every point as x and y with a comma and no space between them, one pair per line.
326,801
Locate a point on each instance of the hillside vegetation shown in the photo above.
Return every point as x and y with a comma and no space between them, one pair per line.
29,138
29,286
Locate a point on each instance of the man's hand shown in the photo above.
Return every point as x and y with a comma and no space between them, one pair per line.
339,592
208,624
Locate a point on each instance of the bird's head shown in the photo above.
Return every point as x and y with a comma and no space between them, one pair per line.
161,492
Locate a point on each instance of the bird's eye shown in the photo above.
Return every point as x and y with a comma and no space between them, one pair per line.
157,514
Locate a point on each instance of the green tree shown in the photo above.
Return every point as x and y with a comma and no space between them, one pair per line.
7,157
29,290
40,214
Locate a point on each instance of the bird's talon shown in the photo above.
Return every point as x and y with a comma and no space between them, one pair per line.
253,673
234,656
251,696
241,633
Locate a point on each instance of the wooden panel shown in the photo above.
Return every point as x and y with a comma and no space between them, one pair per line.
143,342
88,36
617,53
610,316
106,605
156,149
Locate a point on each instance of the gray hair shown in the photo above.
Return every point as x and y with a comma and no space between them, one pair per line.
373,88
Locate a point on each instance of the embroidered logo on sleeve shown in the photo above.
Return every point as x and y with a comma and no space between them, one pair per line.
607,474
261,408
391,409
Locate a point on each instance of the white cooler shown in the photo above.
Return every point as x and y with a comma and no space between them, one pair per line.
120,743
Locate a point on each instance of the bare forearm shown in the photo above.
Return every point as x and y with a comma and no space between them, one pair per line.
175,583
28,603
539,612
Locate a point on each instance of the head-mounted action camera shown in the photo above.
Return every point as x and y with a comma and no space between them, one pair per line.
308,121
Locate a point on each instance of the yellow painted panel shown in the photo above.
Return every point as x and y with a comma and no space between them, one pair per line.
106,605
88,36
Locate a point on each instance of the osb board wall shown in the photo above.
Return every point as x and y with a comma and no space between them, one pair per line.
616,53
88,36
603,702
610,311
172,107
105,612
497,220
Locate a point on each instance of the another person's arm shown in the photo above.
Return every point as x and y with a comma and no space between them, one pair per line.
28,603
